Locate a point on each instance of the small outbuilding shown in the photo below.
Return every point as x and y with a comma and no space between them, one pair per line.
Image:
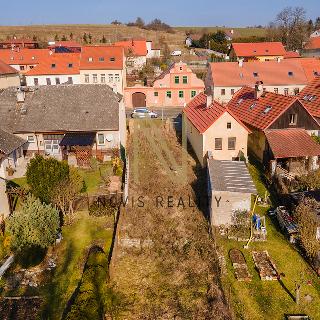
230,187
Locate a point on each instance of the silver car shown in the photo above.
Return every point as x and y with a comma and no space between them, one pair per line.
143,113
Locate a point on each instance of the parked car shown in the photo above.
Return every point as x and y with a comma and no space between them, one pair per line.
143,113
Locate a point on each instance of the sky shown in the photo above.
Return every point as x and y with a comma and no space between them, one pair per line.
235,13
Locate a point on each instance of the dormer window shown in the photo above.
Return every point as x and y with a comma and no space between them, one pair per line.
32,58
255,74
316,73
70,65
290,73
101,59
241,75
90,59
112,59
53,65
253,106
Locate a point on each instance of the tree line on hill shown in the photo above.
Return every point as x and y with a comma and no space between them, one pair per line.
290,26
155,25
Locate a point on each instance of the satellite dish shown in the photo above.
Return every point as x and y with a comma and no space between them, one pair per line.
109,137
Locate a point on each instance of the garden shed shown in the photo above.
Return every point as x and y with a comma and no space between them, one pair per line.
230,187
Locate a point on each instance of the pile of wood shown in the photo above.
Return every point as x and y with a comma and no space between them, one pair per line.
265,266
239,264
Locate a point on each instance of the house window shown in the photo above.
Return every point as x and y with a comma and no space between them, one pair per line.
181,94
57,80
110,77
276,90
70,65
36,81
70,80
185,79
286,91
218,143
103,78
296,91
117,77
156,93
53,65
293,119
169,94
223,92
193,93
229,125
48,81
30,139
232,143
95,78
21,68
232,92
100,138
86,78
176,79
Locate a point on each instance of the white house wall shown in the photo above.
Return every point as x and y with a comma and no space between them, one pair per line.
42,79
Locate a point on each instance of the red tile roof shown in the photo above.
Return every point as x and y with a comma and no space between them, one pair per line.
23,56
313,43
6,69
257,112
311,66
202,117
291,54
136,47
57,63
310,97
292,143
259,49
102,57
285,72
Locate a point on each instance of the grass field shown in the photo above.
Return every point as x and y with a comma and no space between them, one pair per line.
113,33
77,239
268,299
240,32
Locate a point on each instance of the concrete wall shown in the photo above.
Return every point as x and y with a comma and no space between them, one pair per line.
4,205
42,79
9,80
202,143
224,203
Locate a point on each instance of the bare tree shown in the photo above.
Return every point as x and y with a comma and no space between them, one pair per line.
290,27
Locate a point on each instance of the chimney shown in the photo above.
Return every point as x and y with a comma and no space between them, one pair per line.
20,96
210,97
240,62
209,101
258,90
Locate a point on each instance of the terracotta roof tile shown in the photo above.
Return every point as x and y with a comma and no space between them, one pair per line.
292,143
311,66
285,72
313,43
23,56
202,117
291,54
102,57
310,97
57,63
259,49
259,113
6,69
137,47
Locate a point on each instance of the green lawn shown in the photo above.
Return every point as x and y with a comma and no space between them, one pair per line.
93,178
72,252
268,299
